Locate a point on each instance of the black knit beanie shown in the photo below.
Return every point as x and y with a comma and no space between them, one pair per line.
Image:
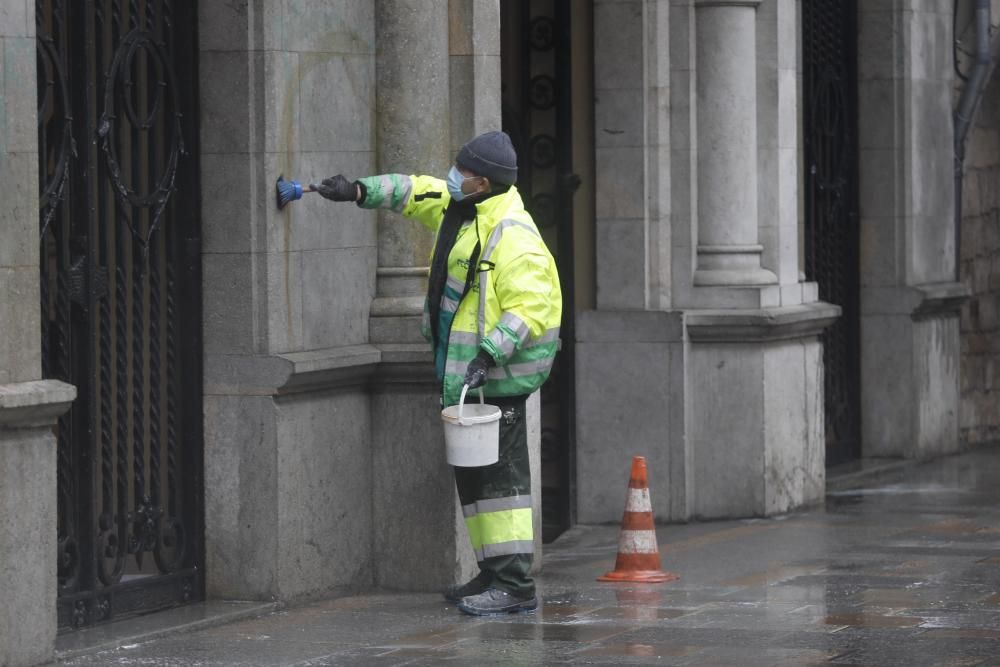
491,155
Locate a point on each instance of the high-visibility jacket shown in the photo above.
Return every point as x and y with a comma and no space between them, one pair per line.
514,305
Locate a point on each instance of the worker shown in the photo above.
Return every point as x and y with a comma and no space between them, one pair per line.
492,316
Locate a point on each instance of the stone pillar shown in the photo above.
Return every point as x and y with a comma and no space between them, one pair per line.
29,406
910,301
473,69
287,87
28,577
633,160
726,88
719,370
412,137
20,310
438,85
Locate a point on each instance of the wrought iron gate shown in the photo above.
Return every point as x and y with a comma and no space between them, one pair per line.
120,273
829,51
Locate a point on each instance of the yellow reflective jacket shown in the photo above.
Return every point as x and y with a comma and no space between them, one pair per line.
514,307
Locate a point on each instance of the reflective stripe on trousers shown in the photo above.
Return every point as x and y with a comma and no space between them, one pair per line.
496,501
500,526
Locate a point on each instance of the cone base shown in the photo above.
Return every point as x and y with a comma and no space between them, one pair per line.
640,576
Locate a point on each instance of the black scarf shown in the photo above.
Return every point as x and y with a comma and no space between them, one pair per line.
456,213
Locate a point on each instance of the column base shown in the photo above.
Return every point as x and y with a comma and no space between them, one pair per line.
732,265
734,278
35,404
910,363
396,319
727,407
755,431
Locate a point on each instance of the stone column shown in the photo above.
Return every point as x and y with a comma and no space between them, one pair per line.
28,406
722,386
412,137
726,88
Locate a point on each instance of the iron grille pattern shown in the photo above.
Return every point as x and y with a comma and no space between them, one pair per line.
119,239
831,184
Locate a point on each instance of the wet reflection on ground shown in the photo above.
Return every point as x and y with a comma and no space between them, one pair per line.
904,572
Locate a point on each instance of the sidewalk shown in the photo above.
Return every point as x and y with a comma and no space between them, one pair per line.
904,570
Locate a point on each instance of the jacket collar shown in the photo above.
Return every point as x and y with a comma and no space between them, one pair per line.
491,207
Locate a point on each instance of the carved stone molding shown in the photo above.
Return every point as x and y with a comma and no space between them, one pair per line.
758,326
35,404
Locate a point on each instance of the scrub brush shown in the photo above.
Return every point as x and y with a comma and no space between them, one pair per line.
289,191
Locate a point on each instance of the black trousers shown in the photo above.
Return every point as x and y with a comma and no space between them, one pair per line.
496,501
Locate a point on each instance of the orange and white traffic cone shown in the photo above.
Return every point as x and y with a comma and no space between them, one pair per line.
638,554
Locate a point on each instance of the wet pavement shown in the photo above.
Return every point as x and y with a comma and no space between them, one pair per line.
900,571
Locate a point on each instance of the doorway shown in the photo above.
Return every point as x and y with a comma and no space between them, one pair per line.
829,62
547,101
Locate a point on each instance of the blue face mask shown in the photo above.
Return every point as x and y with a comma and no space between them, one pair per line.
455,180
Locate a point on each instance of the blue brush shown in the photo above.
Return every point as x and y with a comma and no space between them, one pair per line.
289,191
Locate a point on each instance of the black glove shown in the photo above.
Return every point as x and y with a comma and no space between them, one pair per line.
338,188
479,367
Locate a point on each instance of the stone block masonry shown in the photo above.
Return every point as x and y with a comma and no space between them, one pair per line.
979,413
29,406
979,419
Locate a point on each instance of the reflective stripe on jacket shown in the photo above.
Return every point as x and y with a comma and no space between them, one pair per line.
514,307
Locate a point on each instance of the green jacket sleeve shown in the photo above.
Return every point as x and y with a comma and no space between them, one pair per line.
421,198
527,287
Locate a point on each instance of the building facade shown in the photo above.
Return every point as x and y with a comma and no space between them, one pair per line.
752,204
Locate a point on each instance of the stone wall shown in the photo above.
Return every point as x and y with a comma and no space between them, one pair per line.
909,292
286,88
28,406
324,458
980,331
19,346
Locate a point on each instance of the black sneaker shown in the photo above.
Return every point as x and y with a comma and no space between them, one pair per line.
493,602
474,586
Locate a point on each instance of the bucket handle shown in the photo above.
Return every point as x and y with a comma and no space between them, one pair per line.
461,402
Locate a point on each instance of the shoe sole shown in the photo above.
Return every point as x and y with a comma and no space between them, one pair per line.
517,609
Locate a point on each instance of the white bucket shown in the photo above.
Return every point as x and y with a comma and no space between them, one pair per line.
471,432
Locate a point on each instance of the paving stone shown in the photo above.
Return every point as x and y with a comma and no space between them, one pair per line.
901,572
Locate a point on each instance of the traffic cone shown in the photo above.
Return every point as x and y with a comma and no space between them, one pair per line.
638,554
